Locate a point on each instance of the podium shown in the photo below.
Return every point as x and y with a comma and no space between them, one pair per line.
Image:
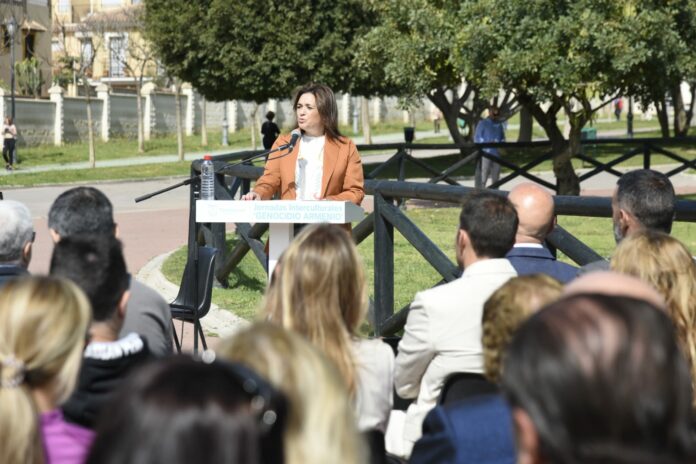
281,216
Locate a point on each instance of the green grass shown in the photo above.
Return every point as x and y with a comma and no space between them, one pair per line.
119,148
70,176
412,273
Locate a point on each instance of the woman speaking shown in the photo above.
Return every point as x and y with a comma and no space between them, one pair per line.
324,165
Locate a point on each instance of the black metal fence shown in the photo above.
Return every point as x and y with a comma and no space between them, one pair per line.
386,218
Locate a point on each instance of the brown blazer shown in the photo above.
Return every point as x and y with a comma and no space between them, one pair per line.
343,174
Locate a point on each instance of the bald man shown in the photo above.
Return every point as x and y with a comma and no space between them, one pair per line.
535,211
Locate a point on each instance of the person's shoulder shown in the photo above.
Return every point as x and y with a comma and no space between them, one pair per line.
373,348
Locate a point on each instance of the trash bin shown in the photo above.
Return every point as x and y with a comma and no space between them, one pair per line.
409,134
590,150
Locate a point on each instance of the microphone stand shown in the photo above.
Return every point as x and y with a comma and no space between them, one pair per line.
197,177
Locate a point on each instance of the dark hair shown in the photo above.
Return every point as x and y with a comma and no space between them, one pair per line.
326,105
491,222
182,411
649,196
603,381
81,211
96,265
270,115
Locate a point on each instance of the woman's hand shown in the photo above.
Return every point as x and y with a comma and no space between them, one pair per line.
251,196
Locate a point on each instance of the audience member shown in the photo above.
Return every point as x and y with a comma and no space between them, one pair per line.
42,325
96,265
614,284
535,210
16,239
480,429
506,309
321,426
320,293
87,211
270,131
181,411
443,330
490,130
642,199
666,264
599,379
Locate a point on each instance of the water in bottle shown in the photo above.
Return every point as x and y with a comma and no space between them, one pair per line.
207,178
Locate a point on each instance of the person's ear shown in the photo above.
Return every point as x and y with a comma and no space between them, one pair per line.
26,253
117,232
123,303
55,236
526,437
626,221
463,240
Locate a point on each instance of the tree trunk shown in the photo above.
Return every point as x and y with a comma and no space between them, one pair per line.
90,124
204,127
365,120
680,126
450,114
179,122
661,109
139,106
252,117
526,125
567,182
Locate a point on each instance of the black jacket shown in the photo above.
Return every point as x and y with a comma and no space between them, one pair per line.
104,367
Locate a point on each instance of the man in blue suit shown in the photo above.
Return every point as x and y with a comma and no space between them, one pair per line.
535,210
478,430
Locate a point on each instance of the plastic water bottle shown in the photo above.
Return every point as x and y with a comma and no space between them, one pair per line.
207,178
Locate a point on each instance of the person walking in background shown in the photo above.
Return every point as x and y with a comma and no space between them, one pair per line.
490,130
270,131
618,107
9,134
436,116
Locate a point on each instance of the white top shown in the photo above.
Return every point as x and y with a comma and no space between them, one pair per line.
374,398
443,336
309,169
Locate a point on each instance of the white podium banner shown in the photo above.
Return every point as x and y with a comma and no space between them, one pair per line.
281,215
278,211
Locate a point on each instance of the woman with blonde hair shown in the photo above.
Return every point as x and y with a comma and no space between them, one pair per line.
321,426
319,291
43,322
665,263
506,309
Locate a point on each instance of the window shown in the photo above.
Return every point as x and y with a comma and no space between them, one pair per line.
29,48
87,52
63,6
117,56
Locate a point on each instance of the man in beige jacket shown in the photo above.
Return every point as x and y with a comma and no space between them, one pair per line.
443,330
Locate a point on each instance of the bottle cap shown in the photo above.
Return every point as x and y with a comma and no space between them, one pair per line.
207,157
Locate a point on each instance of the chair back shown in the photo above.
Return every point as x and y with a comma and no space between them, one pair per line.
463,385
185,302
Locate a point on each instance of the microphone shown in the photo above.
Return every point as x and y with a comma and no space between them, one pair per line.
294,137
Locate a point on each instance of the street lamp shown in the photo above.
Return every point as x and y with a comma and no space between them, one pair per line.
11,29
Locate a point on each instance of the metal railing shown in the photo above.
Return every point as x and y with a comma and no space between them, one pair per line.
382,222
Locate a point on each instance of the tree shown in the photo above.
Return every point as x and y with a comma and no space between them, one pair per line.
559,55
81,66
251,50
670,29
413,52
